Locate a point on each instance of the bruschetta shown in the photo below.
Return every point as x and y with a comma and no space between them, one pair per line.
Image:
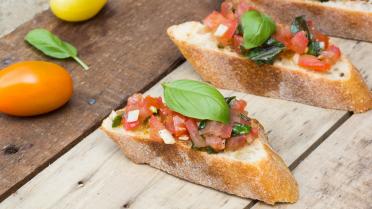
351,19
243,49
205,139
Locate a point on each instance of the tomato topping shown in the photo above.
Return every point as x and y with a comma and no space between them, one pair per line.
179,125
217,143
227,10
193,130
213,20
217,129
242,8
237,42
333,54
313,63
156,102
236,142
155,126
238,105
283,34
228,35
299,42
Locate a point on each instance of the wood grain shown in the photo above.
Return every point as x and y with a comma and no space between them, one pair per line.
112,181
127,50
338,173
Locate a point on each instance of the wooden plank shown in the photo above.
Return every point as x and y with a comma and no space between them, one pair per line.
112,181
338,173
127,50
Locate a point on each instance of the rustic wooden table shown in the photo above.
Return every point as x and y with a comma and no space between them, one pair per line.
59,160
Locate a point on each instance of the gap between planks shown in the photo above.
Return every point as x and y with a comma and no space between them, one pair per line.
39,169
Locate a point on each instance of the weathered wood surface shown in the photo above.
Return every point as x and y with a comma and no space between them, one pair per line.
109,180
127,50
338,174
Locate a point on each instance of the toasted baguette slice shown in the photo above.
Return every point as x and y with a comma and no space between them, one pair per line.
255,171
341,88
344,18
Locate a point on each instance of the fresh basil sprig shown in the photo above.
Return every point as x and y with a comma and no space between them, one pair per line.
257,28
266,53
196,100
240,129
53,46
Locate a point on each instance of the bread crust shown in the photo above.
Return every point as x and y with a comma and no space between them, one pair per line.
268,180
235,72
341,22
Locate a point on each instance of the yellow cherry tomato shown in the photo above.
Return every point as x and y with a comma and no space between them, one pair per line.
76,10
33,87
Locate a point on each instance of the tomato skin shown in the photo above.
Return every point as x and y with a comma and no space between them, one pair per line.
299,42
332,54
155,126
33,87
313,63
76,10
227,10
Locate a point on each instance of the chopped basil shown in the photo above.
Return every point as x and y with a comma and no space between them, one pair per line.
314,48
240,129
300,24
202,124
229,99
245,118
266,53
117,121
257,28
207,149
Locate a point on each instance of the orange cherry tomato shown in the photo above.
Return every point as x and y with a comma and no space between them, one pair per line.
33,87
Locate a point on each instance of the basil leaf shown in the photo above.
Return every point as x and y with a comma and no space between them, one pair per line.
202,124
266,53
300,24
53,46
257,28
229,99
117,121
196,100
240,129
314,48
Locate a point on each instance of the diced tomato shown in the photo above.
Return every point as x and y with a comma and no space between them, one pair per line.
217,129
156,102
299,42
179,125
313,63
236,142
155,126
283,34
238,105
242,8
332,53
213,20
134,100
232,25
254,132
130,126
227,10
217,143
237,42
193,130
322,38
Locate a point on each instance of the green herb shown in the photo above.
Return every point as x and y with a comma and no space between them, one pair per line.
229,99
266,53
257,28
300,24
196,99
244,117
202,124
207,149
314,48
240,129
53,46
117,121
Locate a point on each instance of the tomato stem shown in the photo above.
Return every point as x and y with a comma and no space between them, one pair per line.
85,66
